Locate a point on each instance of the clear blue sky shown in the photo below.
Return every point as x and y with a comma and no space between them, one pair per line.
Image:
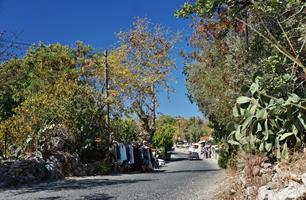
95,22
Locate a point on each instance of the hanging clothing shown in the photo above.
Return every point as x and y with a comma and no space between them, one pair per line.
131,154
137,158
118,151
122,151
144,155
127,153
113,152
150,157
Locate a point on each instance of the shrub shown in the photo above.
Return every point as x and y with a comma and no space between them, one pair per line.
223,159
103,169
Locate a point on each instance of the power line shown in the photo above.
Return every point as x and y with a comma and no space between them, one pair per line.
17,42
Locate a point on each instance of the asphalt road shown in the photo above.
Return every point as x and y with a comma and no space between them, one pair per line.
179,179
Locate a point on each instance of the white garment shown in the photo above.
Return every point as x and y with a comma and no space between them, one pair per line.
122,150
132,161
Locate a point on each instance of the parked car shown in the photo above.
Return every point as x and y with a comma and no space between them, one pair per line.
193,155
161,162
195,147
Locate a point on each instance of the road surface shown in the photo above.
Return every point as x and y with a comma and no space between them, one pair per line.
179,179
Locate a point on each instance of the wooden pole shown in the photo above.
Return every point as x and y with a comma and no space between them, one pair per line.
154,111
5,144
107,94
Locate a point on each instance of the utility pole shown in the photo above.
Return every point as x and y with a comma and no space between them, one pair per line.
106,73
5,144
154,109
107,121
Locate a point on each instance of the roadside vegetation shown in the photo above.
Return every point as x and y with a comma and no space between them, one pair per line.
57,86
246,72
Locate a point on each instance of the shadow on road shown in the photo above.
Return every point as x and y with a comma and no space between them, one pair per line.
186,171
177,159
89,197
74,185
50,198
98,197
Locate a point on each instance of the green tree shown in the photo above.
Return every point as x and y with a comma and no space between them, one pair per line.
125,130
194,129
147,50
164,135
225,56
44,88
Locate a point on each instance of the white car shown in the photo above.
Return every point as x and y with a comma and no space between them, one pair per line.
161,162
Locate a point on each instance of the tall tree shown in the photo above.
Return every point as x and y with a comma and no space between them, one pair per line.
147,54
217,67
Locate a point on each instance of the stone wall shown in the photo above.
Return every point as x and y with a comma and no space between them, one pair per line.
265,181
51,162
35,168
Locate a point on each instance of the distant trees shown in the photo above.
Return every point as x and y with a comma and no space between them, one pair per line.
170,130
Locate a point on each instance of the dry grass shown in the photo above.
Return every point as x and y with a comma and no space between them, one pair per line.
292,169
247,168
296,163
234,189
230,188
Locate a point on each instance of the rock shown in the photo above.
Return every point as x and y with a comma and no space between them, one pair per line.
250,192
242,179
266,165
304,178
21,171
36,155
272,185
266,178
15,151
293,191
232,191
58,143
266,171
279,174
265,194
256,170
276,168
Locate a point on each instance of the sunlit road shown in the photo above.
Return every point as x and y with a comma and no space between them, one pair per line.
179,179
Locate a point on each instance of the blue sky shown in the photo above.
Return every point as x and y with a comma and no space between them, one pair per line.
95,22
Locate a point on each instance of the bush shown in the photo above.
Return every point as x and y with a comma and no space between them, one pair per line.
223,159
103,169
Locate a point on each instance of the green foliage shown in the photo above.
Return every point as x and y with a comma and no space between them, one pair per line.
194,129
44,88
223,158
58,85
201,8
215,71
225,58
206,8
269,124
147,49
103,169
125,130
164,135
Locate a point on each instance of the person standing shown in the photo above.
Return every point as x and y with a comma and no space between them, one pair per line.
145,156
